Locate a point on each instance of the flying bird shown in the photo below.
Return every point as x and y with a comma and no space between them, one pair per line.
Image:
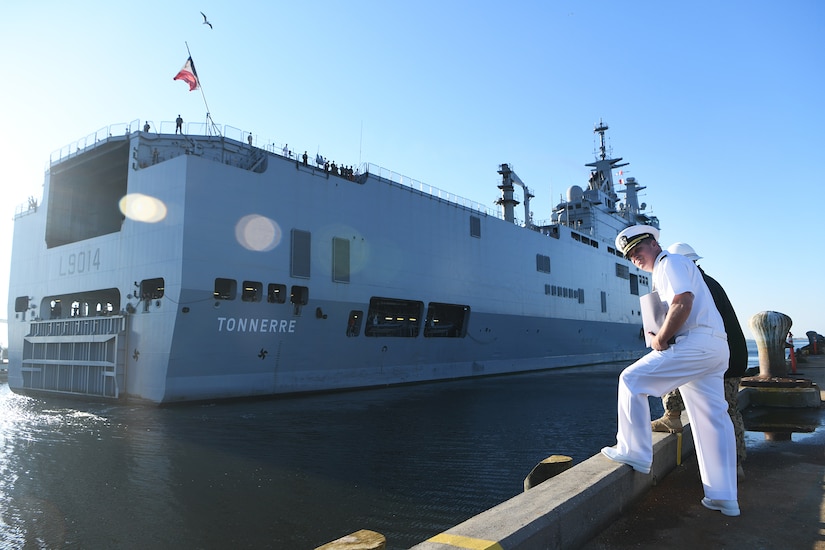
205,20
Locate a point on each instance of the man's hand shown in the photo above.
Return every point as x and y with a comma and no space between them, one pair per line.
658,344
677,314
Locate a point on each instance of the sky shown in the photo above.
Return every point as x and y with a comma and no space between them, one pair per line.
717,106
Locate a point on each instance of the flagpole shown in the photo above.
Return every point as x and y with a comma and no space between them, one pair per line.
210,124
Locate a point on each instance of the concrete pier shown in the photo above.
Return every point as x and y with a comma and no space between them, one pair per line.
568,509
601,505
782,496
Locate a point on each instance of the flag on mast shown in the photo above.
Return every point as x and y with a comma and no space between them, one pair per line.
188,74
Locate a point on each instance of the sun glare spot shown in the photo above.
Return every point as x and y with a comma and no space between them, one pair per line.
258,233
142,208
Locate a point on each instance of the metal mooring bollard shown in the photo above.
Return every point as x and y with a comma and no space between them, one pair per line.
770,329
547,468
360,540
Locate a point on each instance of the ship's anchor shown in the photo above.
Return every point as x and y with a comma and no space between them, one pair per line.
136,354
262,353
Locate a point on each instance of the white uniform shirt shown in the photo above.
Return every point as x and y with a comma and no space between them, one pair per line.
674,274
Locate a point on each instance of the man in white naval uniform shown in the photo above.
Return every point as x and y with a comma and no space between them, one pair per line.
690,352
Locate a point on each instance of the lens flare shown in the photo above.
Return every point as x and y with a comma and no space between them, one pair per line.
142,208
258,233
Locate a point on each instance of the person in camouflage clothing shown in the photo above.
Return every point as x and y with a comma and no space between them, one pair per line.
672,402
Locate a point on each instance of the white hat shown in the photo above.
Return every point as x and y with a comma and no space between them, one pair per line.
685,250
633,235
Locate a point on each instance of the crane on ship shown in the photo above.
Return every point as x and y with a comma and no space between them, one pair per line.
508,201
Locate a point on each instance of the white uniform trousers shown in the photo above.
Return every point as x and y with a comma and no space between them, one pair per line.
696,365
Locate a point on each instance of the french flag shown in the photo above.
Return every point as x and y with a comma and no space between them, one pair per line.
188,74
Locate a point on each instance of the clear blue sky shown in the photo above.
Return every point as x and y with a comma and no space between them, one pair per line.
716,105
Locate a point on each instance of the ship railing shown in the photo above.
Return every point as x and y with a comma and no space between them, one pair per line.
99,137
285,150
25,209
81,326
426,189
230,132
209,128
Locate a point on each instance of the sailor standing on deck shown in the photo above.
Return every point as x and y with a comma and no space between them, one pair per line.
690,352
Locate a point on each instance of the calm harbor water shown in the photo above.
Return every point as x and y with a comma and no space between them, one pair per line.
291,473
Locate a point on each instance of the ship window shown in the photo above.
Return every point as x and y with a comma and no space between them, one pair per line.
104,308
299,295
225,289
542,263
98,302
21,304
301,248
354,322
446,320
580,295
475,226
252,291
604,302
547,289
275,293
80,309
151,289
634,284
392,317
340,260
622,271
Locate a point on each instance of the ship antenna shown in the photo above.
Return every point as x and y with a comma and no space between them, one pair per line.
210,124
601,129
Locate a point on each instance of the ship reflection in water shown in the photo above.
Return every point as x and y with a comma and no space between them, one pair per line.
408,462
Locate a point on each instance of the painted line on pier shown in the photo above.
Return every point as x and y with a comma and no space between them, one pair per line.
679,449
465,542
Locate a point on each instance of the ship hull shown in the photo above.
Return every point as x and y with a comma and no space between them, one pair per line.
266,275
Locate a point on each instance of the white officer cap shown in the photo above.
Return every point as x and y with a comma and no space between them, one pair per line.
633,235
685,250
